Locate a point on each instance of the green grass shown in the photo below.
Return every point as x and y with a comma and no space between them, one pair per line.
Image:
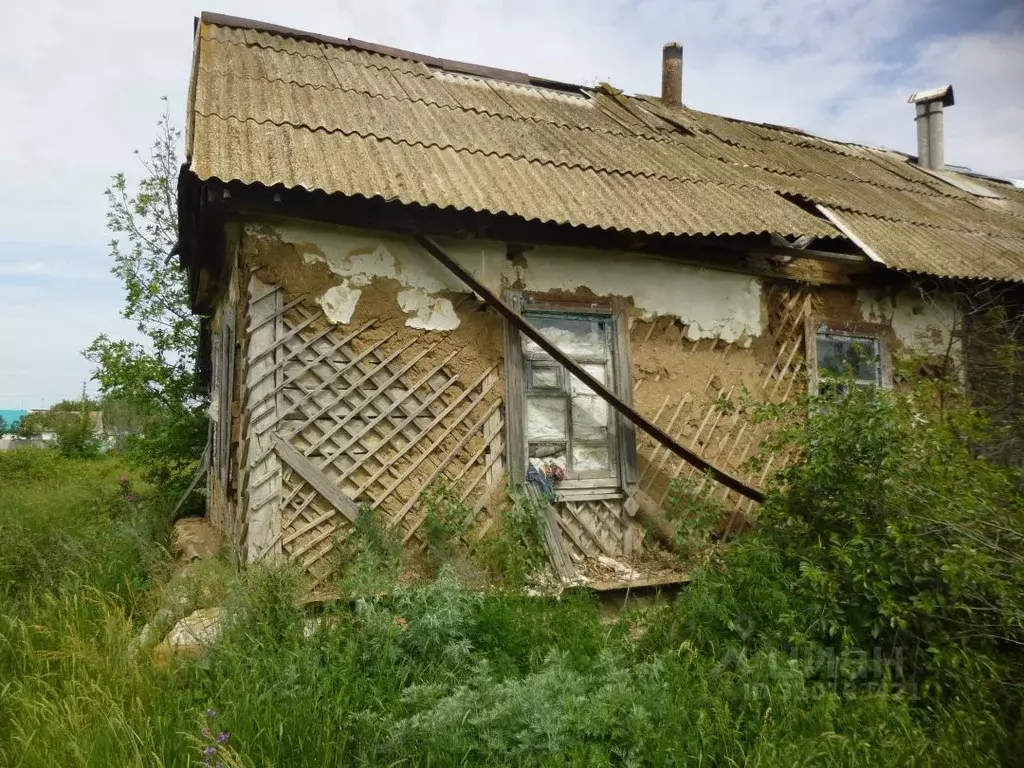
435,675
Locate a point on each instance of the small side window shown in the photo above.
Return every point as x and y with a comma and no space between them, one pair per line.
838,354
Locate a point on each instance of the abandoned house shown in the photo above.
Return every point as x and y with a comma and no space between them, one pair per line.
416,271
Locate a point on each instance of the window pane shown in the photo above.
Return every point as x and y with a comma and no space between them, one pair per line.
589,412
576,337
837,355
545,376
595,370
590,458
547,453
589,418
545,418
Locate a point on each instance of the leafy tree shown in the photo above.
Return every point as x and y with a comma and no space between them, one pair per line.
154,378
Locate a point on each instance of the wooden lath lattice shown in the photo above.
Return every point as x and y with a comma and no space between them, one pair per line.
708,420
594,526
372,415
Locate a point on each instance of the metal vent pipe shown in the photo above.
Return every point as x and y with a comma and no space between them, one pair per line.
931,148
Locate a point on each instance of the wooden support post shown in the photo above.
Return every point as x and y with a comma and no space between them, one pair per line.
263,536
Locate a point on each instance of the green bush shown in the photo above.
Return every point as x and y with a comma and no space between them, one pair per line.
370,557
892,534
517,552
446,520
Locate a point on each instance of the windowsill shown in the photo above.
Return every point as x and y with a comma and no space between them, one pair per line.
572,489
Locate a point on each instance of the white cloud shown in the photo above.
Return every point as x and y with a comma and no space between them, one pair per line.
80,84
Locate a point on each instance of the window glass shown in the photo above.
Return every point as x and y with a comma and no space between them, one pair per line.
579,338
567,424
545,418
840,355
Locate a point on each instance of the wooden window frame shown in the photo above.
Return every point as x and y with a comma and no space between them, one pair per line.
622,447
879,333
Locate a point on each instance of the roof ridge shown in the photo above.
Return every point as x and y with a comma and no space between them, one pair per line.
450,65
290,52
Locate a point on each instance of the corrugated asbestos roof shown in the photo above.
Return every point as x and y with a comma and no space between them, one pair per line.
273,106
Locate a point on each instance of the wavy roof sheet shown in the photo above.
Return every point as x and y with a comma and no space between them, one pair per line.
275,106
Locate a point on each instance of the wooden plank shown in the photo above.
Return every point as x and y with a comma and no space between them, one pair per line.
305,469
468,490
591,533
696,437
654,581
352,385
334,347
314,523
224,399
387,465
811,353
380,391
263,512
515,400
626,433
494,439
261,322
659,451
574,537
553,537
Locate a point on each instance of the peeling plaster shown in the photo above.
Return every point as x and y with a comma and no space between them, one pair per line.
711,303
339,302
361,255
923,322
430,313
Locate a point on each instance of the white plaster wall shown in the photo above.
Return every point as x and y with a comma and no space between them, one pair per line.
711,303
925,322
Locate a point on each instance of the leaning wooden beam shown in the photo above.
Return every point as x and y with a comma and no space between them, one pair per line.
634,416
316,478
654,519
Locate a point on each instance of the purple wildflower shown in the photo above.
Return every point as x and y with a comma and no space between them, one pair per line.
211,713
210,751
222,737
205,760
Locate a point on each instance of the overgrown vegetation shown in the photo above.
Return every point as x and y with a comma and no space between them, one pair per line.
884,533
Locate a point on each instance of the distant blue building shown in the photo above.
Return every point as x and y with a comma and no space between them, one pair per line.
11,417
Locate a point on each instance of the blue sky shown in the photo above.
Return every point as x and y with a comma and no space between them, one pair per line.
80,84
